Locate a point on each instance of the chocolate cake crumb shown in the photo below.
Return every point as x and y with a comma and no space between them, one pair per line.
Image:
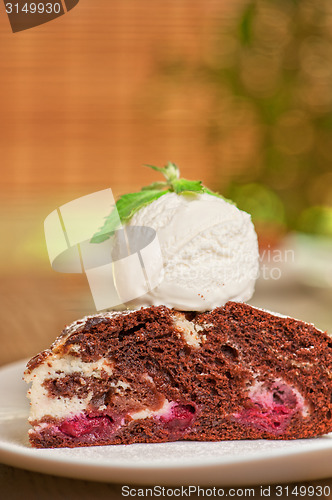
150,375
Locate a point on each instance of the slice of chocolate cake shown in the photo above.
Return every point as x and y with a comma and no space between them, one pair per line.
156,374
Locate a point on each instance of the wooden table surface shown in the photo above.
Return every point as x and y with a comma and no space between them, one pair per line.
21,484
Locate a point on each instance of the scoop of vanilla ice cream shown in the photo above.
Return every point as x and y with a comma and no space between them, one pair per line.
209,248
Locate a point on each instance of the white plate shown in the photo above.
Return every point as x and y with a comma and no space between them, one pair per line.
225,463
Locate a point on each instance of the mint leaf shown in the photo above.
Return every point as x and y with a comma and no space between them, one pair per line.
127,205
173,181
183,185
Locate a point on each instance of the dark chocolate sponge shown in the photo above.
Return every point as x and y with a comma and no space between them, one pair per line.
236,372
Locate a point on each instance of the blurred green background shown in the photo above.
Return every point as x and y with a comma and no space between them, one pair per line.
267,79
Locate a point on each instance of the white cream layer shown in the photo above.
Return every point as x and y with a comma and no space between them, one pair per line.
41,404
147,413
189,330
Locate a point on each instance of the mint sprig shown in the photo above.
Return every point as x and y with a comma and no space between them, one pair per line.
173,183
128,204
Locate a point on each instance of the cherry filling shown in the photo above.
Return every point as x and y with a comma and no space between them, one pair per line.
179,417
81,425
273,407
274,420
